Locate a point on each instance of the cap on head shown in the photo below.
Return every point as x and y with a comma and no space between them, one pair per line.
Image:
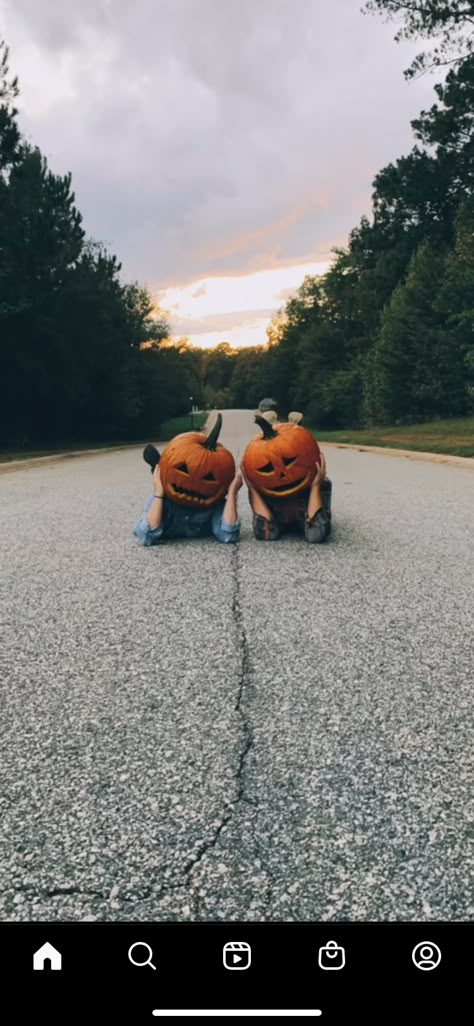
267,404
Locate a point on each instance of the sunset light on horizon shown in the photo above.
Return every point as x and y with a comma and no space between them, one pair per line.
234,309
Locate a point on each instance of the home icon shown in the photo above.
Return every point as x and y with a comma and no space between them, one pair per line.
47,958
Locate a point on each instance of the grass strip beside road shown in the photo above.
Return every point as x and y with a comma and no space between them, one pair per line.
168,429
177,425
451,437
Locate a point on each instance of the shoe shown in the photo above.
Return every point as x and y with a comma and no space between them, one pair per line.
151,456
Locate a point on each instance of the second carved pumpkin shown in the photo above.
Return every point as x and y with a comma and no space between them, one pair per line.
281,462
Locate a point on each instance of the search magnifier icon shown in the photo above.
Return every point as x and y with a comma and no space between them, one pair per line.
149,956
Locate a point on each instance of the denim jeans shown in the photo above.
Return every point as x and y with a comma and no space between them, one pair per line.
181,522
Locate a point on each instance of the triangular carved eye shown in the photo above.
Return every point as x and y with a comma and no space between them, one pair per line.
289,462
183,468
209,477
267,469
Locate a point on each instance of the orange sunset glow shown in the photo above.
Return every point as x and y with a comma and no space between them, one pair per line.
236,309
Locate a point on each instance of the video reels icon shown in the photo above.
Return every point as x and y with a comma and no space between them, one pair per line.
237,955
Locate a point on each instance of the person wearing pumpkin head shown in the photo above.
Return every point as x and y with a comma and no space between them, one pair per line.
285,473
194,490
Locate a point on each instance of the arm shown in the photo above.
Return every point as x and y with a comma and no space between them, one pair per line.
149,528
155,513
318,516
315,502
258,506
230,515
225,521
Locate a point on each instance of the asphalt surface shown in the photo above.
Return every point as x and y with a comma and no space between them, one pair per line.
261,731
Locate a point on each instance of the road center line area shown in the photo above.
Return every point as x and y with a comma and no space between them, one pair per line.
266,731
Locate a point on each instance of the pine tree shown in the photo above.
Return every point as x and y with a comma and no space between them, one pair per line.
418,365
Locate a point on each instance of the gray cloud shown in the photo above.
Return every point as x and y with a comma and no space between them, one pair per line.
209,137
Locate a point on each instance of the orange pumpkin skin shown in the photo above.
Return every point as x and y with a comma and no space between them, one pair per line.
283,463
196,471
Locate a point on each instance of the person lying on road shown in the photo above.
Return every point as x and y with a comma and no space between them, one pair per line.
309,512
285,473
194,490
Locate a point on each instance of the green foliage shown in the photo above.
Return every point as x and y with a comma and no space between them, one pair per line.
177,425
247,386
9,133
454,436
387,333
448,23
418,367
457,297
72,366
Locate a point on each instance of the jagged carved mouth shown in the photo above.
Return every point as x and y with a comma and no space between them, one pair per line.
289,486
188,493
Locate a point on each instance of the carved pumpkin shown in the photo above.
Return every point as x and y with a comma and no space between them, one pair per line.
196,470
282,460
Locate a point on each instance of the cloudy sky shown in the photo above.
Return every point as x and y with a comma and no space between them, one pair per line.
220,148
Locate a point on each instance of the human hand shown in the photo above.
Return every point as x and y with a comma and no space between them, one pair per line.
236,484
320,472
245,479
157,482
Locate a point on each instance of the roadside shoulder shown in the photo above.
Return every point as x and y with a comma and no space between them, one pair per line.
410,454
29,463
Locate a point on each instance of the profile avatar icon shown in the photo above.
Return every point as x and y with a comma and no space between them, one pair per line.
426,956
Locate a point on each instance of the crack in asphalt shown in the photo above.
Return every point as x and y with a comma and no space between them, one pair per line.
52,892
244,677
143,893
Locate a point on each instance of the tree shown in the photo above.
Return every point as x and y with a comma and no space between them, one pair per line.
246,387
418,363
457,297
41,229
72,334
9,132
449,23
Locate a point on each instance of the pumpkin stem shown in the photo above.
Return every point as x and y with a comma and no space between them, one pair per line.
268,431
211,440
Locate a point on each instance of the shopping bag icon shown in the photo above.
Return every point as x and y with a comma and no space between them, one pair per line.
332,956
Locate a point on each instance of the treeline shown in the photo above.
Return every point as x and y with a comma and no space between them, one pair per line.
83,356
72,362
387,334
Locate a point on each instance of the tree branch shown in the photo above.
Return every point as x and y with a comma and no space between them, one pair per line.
437,64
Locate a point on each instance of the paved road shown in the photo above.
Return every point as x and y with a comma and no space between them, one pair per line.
199,731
